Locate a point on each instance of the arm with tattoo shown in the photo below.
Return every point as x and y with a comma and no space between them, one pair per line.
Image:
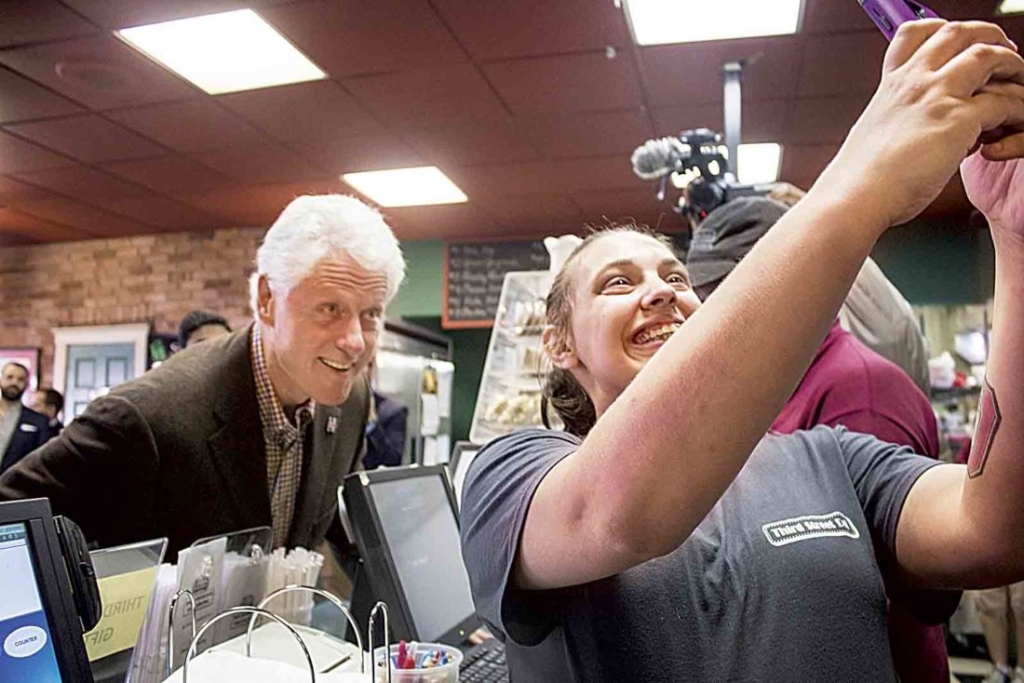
963,526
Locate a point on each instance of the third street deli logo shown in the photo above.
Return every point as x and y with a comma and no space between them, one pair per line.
810,526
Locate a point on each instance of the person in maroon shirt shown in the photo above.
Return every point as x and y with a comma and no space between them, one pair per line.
847,384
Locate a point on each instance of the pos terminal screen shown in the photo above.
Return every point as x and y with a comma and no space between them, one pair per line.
26,643
423,535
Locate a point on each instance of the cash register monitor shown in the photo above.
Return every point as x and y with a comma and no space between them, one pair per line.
407,530
40,631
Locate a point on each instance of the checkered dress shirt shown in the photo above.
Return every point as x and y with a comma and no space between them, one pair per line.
283,440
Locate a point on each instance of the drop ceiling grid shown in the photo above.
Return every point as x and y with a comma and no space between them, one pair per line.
518,102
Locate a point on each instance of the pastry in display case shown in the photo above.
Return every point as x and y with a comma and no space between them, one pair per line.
510,388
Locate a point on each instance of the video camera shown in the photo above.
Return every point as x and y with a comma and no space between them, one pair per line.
697,164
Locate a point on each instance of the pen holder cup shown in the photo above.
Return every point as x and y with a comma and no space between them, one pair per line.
421,653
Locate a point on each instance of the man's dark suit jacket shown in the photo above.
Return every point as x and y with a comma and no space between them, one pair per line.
31,432
179,452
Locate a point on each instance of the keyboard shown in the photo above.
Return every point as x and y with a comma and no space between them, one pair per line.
484,663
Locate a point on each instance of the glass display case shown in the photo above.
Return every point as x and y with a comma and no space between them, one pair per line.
510,388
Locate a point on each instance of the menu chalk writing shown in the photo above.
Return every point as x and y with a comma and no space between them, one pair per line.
475,272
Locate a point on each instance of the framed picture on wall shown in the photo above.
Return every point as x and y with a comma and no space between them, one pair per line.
27,356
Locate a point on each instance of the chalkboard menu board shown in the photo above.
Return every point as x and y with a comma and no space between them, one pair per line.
474,273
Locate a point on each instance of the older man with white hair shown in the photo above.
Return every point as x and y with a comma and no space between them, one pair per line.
254,428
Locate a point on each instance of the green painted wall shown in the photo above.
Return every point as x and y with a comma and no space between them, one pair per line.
420,294
938,263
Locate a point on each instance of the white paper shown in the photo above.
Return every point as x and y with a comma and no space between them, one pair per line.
199,570
229,667
244,583
430,419
443,448
445,375
429,450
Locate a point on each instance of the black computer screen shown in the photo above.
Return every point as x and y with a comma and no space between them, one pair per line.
419,524
28,652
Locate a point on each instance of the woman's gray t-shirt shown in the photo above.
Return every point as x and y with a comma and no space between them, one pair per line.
782,580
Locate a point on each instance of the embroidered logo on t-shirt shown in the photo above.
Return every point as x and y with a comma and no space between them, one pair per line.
809,526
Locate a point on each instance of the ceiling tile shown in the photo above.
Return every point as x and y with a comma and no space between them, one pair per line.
23,100
623,206
100,72
17,155
164,213
16,239
450,221
566,83
82,182
367,153
507,180
538,214
82,216
264,164
501,30
802,164
305,111
1013,26
598,174
191,126
692,73
12,190
965,9
828,16
256,205
591,134
115,14
430,96
37,229
356,37
37,21
763,121
88,138
952,201
826,119
170,175
826,67
484,142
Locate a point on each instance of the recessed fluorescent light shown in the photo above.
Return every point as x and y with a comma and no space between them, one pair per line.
418,186
758,163
224,52
1010,7
658,22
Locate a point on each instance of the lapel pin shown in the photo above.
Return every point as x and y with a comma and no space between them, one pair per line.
332,424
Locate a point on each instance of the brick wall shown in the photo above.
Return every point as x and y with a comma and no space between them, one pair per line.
153,278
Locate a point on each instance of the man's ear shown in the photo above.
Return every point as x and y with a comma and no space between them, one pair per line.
264,301
559,349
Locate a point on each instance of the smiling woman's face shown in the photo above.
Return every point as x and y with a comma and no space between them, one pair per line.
630,294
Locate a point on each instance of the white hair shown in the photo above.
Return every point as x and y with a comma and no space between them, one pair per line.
316,227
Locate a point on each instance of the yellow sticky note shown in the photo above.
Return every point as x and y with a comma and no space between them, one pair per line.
125,600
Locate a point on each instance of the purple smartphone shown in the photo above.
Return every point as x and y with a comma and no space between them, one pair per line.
889,14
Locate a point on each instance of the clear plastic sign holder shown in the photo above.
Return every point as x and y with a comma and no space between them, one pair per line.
244,541
126,578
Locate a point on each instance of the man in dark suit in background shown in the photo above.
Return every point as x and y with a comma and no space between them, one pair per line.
22,430
254,428
50,402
